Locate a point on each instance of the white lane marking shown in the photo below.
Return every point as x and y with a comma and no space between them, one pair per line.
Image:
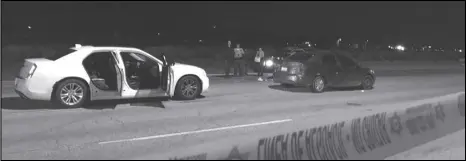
195,132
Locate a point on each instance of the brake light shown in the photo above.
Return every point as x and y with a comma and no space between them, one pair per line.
32,70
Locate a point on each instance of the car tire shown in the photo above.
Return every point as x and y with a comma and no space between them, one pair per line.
75,93
367,83
318,84
188,88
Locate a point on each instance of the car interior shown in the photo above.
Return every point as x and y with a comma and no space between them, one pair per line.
100,66
141,71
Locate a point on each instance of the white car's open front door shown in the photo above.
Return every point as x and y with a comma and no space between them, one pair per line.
167,77
128,92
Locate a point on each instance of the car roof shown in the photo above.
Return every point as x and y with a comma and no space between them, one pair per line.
104,48
315,51
83,51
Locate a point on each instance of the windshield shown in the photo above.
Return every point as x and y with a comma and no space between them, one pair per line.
300,56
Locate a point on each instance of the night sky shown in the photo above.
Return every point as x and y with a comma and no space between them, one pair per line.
437,23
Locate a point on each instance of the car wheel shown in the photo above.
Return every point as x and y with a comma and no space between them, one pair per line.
318,84
367,83
188,88
71,93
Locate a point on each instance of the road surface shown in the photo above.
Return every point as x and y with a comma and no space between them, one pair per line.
233,111
450,147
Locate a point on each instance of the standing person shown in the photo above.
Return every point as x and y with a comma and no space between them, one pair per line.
238,60
228,60
259,60
246,62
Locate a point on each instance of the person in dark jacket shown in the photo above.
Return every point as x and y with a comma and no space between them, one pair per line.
228,62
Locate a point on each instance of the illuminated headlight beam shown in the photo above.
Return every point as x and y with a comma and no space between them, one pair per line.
268,63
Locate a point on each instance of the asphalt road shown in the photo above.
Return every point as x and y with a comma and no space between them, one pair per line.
233,111
450,147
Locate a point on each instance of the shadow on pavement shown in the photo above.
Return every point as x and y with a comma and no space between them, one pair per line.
237,79
16,103
198,97
308,90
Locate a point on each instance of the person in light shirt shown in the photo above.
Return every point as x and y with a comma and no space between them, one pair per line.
259,60
238,61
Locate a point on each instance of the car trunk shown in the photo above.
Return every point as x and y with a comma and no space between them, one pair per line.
30,65
290,67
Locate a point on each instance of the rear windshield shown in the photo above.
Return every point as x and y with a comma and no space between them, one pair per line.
58,54
300,56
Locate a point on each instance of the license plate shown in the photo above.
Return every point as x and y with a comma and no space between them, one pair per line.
284,69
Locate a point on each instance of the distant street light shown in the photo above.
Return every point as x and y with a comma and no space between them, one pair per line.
29,27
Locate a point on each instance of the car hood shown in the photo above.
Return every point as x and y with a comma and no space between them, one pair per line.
186,67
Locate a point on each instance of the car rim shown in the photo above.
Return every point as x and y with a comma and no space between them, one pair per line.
319,84
189,88
71,94
367,82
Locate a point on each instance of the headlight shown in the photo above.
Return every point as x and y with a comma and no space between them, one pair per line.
268,63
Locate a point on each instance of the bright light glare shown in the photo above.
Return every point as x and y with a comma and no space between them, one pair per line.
399,47
268,63
29,27
460,51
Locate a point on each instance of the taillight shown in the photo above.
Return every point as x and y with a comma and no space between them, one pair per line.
298,70
32,70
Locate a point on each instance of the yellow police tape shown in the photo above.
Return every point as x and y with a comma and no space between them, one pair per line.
376,136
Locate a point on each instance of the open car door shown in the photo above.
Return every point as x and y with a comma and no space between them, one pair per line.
167,76
152,76
119,72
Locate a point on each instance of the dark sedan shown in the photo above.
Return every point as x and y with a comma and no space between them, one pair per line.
321,69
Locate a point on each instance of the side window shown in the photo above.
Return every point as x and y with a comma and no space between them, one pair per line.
137,59
346,62
329,60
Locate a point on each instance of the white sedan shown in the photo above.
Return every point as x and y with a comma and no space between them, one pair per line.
90,73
